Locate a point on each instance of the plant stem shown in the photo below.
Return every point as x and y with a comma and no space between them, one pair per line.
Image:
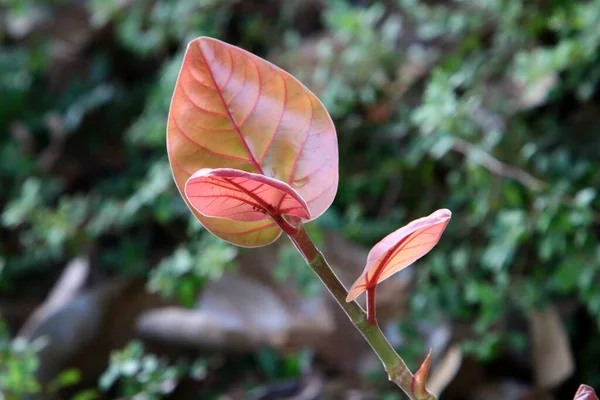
371,318
397,370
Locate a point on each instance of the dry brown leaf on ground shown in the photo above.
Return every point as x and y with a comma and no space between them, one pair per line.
552,357
84,328
236,313
66,288
445,370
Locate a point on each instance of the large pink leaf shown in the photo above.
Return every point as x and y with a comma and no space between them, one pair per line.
242,196
399,249
231,109
585,393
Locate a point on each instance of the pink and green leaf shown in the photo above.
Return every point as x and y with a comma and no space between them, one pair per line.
234,110
400,249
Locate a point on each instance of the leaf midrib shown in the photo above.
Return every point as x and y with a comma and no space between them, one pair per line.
231,119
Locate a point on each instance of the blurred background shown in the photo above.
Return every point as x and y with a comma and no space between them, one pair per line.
110,289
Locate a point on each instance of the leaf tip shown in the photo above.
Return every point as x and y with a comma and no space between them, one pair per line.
441,215
383,259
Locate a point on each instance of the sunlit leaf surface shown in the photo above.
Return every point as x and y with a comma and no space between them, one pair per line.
232,109
242,196
399,249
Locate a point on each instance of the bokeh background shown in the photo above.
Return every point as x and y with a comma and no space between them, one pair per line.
110,289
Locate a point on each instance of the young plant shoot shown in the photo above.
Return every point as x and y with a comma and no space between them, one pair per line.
254,153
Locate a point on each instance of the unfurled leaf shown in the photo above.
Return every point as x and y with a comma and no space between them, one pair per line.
419,380
585,393
231,109
399,249
242,196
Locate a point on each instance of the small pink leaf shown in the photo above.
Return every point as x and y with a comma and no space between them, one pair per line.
585,393
242,196
419,380
399,249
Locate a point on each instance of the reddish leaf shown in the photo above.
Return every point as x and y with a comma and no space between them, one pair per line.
231,109
242,196
585,393
399,249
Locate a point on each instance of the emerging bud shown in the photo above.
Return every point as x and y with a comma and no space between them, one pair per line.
419,381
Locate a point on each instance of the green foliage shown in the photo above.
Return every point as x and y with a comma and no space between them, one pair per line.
67,378
54,220
486,128
275,366
488,108
18,365
182,274
132,372
140,374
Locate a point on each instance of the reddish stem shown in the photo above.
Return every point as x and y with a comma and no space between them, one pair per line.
371,319
284,224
